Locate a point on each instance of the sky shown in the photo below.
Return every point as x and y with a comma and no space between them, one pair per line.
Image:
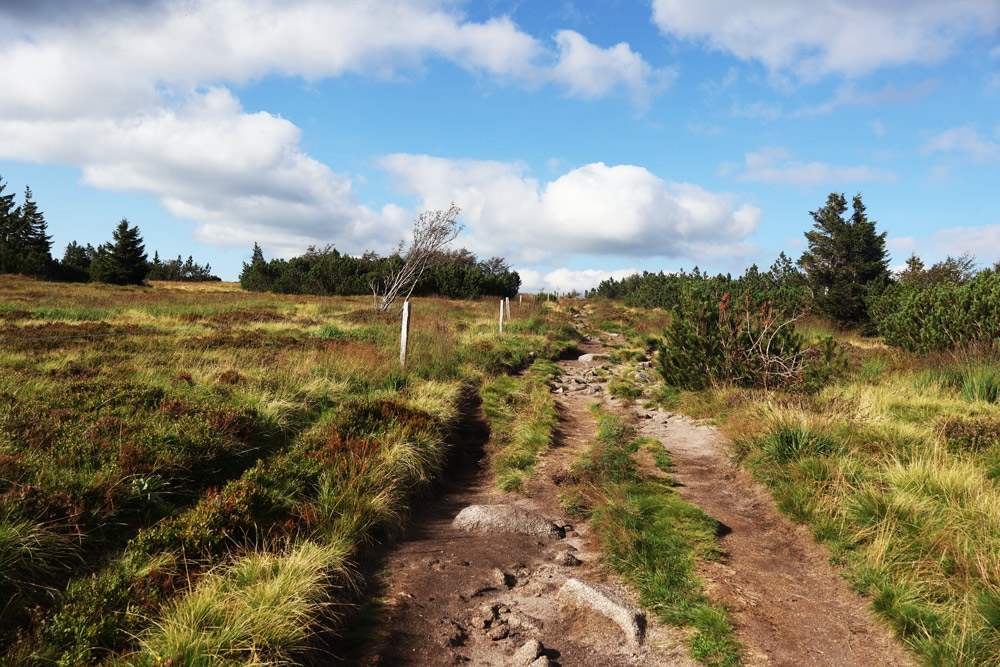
580,139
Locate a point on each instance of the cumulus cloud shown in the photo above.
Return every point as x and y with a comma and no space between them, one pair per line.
775,165
589,71
594,209
241,177
135,94
568,280
115,61
965,140
851,37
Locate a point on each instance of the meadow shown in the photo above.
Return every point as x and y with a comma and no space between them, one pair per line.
189,473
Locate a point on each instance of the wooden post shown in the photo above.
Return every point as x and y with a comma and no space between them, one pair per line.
507,301
519,298
404,334
501,315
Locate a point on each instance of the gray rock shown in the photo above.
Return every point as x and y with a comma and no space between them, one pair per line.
526,655
603,600
592,357
504,519
541,661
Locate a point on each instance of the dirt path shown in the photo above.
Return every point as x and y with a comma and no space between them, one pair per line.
454,596
788,604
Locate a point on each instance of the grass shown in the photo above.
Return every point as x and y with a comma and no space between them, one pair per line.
896,468
259,610
142,475
652,537
522,417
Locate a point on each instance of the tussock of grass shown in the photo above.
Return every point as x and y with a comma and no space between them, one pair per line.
653,537
258,611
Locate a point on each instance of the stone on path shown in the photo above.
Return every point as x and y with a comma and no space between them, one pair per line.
527,654
504,519
629,618
591,356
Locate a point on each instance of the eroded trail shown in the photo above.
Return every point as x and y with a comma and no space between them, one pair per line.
457,596
493,598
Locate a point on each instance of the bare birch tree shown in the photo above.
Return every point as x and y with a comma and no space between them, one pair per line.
432,232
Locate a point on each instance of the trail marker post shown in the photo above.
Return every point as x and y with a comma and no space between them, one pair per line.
404,334
501,315
507,301
519,298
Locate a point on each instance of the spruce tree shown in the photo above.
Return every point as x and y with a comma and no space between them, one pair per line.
844,255
10,223
124,261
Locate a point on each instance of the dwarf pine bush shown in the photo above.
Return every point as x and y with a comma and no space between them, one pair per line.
940,317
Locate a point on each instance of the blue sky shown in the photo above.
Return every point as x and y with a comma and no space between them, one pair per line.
580,139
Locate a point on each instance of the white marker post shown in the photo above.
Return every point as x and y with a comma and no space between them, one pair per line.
404,334
519,298
501,315
507,301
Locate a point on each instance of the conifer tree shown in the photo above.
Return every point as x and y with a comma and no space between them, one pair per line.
124,261
844,255
10,222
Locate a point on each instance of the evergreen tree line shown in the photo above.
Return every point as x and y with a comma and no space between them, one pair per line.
26,249
844,275
328,272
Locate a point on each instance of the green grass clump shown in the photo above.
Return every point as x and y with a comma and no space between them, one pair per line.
259,610
522,418
652,537
789,443
624,390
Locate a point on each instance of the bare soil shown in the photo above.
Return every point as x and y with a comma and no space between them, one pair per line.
454,597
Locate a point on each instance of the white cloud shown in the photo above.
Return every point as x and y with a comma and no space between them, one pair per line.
589,71
116,62
964,139
241,177
812,39
136,96
568,280
982,241
594,209
775,165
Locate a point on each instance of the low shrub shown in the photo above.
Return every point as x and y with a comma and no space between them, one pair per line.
712,342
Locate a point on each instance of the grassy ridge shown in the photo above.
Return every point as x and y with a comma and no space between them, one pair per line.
651,536
143,477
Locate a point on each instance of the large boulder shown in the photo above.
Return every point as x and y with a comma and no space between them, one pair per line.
504,519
